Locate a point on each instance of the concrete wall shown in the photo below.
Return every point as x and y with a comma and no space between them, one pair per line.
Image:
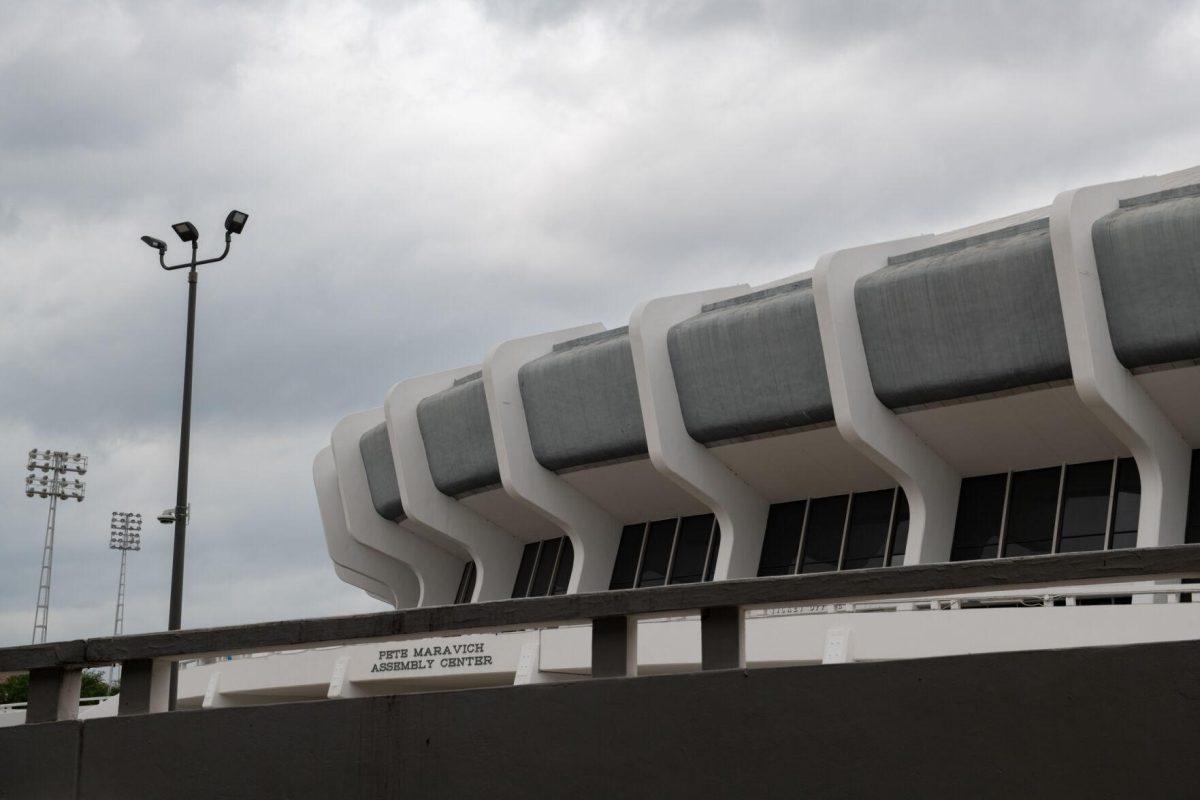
1148,256
381,473
978,315
458,437
581,402
751,364
1097,722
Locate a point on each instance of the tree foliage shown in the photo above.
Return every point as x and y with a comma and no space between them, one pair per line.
16,688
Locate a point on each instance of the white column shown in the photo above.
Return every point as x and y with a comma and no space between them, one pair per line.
355,564
437,570
740,510
496,553
594,532
1105,386
930,484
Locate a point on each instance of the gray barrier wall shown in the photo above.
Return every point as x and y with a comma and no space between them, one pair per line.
581,402
376,452
751,364
1148,258
457,434
1089,722
978,315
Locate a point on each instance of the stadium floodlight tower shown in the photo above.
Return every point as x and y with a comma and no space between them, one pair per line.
235,222
52,482
125,534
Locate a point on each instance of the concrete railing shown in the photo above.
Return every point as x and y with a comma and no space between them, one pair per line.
55,669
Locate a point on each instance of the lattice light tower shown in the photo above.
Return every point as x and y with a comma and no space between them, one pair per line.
53,483
125,534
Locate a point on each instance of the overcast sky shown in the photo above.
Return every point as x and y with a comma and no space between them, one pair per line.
427,179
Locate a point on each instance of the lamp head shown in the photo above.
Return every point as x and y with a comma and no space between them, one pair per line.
186,231
236,221
157,244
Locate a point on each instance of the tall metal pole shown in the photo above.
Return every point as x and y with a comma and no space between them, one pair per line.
41,615
174,619
119,619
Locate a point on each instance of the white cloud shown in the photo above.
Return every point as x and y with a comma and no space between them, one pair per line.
427,179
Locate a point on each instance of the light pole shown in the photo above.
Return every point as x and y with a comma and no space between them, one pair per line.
186,231
53,483
125,534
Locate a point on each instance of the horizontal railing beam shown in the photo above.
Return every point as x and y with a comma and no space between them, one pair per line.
858,585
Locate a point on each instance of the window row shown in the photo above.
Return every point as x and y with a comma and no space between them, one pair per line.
466,584
846,531
1064,509
1192,533
667,551
545,568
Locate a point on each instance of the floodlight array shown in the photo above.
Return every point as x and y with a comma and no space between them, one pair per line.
125,531
56,460
52,486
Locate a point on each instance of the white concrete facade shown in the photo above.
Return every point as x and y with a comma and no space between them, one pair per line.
1102,412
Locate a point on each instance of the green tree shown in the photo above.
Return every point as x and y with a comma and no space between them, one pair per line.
16,688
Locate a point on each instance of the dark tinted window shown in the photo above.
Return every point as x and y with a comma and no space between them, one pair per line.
691,550
823,534
781,542
1085,507
1127,505
1192,534
566,560
544,573
625,567
977,526
657,557
866,539
525,571
466,584
899,531
1032,508
713,549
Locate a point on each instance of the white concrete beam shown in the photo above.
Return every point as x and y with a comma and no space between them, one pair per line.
437,570
1105,386
930,484
740,510
354,563
441,518
594,532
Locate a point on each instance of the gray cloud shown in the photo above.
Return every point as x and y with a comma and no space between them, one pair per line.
427,179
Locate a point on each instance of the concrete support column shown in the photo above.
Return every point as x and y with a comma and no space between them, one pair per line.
722,638
930,484
496,553
593,531
354,564
614,647
740,510
53,694
1105,386
437,571
145,686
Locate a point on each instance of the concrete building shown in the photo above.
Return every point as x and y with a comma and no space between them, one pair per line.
1022,386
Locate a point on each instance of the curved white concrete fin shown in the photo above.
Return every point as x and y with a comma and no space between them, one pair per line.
594,532
496,553
740,510
438,571
1102,382
355,564
929,482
